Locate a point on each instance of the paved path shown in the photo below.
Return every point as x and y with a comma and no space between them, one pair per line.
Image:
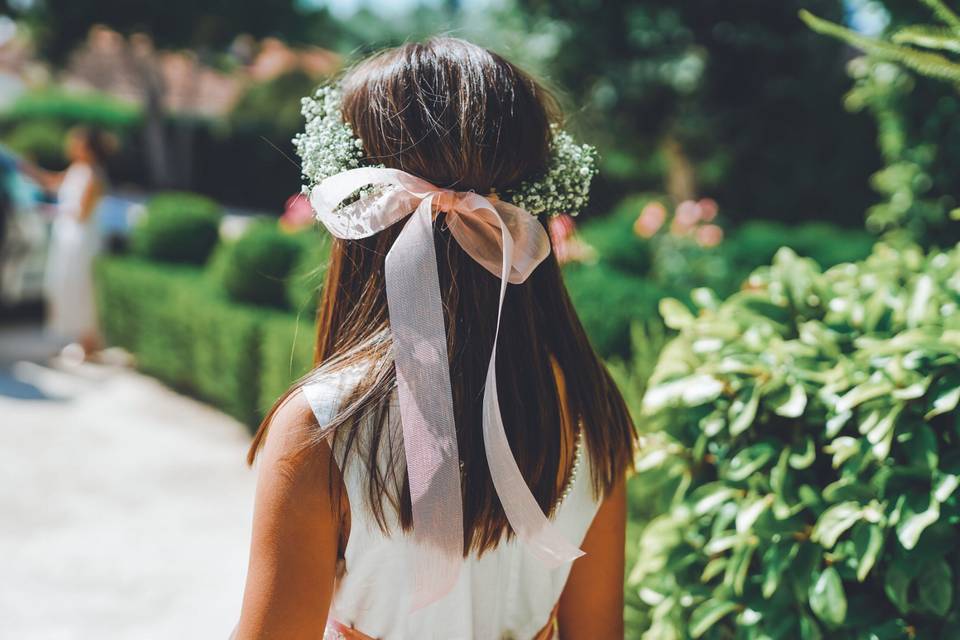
124,507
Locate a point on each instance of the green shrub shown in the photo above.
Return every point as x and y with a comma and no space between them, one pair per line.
71,108
178,227
808,446
287,354
41,141
306,278
614,239
255,267
608,301
756,242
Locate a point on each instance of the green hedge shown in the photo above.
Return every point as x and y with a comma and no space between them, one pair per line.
68,108
182,330
306,277
286,353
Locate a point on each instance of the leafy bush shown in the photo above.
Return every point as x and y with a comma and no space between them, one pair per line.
809,449
178,227
254,268
608,301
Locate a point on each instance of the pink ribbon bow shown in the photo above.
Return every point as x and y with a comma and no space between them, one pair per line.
508,242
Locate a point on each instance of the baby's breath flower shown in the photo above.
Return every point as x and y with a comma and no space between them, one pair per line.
565,185
328,146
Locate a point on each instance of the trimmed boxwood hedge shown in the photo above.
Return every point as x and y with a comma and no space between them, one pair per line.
179,228
286,353
184,331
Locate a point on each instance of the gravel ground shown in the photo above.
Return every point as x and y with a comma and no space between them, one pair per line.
124,507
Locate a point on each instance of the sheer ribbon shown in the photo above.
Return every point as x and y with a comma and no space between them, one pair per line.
508,242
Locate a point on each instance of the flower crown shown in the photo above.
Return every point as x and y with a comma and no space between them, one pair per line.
328,146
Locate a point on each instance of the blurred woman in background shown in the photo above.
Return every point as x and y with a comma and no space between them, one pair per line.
68,281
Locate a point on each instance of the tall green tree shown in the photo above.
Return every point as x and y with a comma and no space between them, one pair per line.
734,100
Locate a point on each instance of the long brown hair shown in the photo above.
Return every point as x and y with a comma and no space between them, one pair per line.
462,117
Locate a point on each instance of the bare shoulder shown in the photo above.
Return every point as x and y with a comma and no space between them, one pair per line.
292,448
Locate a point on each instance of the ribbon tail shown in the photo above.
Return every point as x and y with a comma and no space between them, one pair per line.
426,407
526,517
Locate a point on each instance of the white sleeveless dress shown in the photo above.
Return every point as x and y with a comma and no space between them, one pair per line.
68,279
506,594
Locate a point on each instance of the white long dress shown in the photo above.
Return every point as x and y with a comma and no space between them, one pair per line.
68,280
504,594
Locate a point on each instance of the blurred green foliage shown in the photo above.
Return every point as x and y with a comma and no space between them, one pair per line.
806,456
272,107
917,118
36,124
255,267
249,157
42,142
632,274
306,277
185,331
743,90
178,227
744,94
614,239
286,354
608,302
59,25
69,108
220,328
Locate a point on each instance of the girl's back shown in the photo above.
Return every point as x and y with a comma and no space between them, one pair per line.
505,593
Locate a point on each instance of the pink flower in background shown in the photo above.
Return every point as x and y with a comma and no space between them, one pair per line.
708,209
566,245
297,213
561,228
651,219
709,235
686,217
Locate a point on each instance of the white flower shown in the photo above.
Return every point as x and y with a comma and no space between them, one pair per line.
328,146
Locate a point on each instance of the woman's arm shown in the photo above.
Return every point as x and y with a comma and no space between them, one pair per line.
295,531
591,605
48,180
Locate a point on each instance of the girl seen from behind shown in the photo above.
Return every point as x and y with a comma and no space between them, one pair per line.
454,465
